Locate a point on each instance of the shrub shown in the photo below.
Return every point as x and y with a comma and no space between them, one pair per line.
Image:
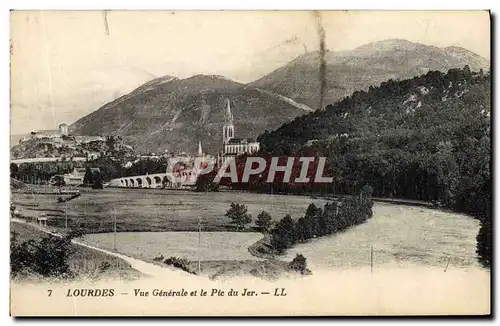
180,263
105,265
484,243
299,264
47,257
261,250
159,258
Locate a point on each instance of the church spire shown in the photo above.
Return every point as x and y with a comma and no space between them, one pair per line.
200,151
228,116
228,129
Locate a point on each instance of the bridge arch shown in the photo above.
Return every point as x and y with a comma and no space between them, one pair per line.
166,182
157,180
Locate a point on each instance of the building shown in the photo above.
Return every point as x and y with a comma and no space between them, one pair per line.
92,155
62,130
232,146
200,150
76,177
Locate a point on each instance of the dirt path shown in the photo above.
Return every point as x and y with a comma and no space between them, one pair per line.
141,266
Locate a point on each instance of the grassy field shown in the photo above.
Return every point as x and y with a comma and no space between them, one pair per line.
84,262
155,209
146,245
223,254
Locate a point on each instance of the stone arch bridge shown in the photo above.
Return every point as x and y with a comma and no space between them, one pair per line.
185,178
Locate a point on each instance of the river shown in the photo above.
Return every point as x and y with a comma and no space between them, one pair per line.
401,236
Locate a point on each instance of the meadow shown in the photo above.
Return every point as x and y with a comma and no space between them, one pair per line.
143,210
146,245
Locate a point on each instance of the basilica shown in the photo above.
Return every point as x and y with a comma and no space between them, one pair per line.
232,146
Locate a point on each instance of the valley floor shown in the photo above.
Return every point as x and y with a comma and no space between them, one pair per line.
400,235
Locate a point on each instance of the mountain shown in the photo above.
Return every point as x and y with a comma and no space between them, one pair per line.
174,114
475,61
425,138
367,65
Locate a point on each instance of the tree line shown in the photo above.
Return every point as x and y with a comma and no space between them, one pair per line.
335,216
42,172
317,222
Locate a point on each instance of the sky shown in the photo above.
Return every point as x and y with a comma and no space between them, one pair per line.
66,64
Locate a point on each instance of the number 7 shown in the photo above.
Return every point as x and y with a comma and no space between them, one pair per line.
50,292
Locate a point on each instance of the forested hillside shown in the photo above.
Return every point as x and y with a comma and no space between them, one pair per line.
425,138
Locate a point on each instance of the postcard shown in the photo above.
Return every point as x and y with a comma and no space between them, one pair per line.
250,163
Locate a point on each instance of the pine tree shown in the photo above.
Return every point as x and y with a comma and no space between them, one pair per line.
88,178
263,221
97,181
283,236
238,213
302,230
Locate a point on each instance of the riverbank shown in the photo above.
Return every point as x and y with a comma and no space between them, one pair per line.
226,269
262,248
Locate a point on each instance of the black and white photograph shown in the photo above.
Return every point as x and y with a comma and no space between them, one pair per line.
250,163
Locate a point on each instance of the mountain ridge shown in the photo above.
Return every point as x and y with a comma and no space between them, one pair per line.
169,113
366,65
174,114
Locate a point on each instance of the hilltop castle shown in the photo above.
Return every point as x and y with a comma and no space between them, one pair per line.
55,133
58,135
231,146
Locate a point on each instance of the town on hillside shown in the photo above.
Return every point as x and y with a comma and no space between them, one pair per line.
100,160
